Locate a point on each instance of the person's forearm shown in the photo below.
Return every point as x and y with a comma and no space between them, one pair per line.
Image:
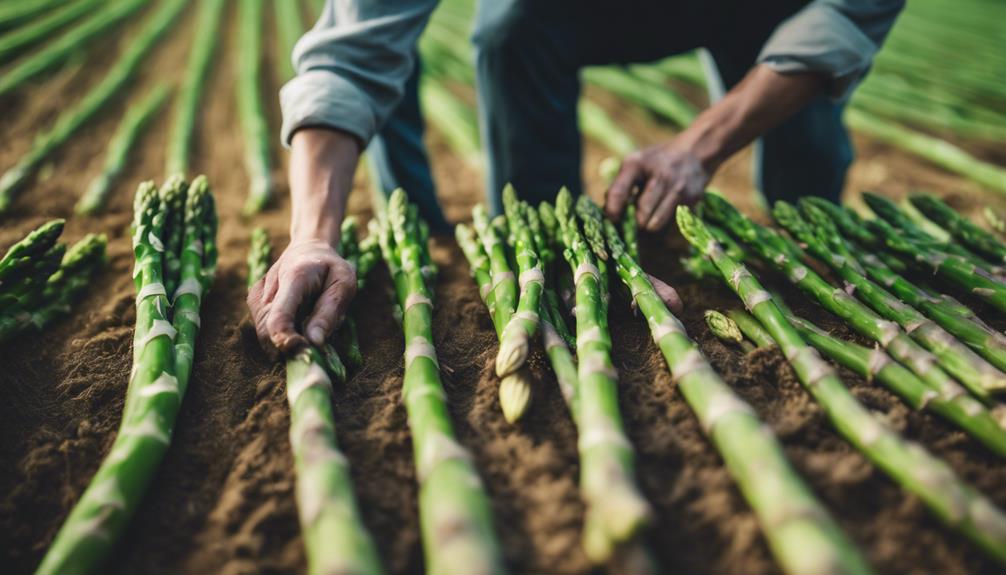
322,164
761,101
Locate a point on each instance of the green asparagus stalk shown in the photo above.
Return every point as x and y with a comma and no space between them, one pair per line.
801,533
956,270
20,255
785,256
249,101
523,324
953,316
74,276
66,45
726,329
616,510
24,10
874,364
161,369
42,28
260,256
454,512
119,147
935,150
825,243
190,94
962,229
949,498
996,221
895,216
71,120
750,327
289,28
335,538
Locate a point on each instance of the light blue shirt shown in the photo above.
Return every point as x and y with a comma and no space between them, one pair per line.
353,65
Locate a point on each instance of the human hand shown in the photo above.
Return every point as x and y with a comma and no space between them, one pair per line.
669,174
309,275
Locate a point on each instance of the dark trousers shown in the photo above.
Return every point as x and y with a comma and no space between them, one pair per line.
528,57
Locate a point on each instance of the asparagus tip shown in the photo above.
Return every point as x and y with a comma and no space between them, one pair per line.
515,396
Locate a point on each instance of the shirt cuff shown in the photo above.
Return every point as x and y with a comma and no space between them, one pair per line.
823,42
322,98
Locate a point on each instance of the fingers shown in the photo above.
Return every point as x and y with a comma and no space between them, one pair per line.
259,308
650,199
664,211
280,324
666,293
621,189
331,306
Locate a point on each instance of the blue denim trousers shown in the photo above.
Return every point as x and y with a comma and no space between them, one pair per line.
529,54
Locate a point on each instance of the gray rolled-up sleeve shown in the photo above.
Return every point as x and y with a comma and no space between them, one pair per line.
353,65
837,38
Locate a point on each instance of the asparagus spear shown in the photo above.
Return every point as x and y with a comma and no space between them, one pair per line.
996,221
801,533
249,101
335,538
260,256
616,510
750,327
454,512
961,228
20,256
523,324
119,146
162,353
824,242
785,256
874,364
72,119
943,309
515,388
955,269
889,212
726,329
949,498
515,392
187,106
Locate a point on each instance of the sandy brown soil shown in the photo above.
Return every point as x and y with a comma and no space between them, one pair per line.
223,499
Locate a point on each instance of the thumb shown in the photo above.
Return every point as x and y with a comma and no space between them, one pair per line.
330,308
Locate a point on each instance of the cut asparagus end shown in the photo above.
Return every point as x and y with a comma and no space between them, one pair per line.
513,351
515,396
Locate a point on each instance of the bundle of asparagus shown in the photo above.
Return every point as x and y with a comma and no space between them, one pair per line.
801,533
454,511
616,510
960,228
174,242
888,271
824,242
40,278
953,501
493,256
335,539
941,394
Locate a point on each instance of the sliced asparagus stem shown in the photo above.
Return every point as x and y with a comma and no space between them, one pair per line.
949,498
